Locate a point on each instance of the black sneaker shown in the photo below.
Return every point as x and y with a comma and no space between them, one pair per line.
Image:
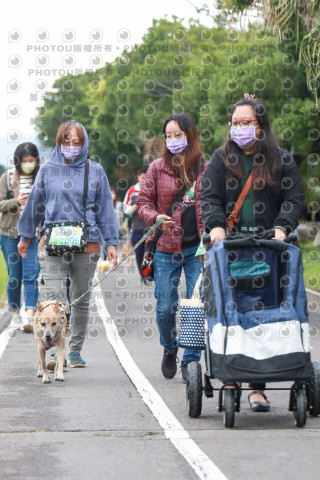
169,364
184,371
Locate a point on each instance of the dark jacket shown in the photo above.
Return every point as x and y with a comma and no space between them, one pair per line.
159,189
279,205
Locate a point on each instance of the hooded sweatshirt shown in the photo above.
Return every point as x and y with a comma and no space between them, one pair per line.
57,196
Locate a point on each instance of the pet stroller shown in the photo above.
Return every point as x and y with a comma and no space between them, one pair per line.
256,326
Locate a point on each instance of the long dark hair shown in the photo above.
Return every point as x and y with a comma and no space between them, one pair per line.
24,150
267,154
187,166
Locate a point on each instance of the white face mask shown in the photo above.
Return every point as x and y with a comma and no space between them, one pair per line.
28,167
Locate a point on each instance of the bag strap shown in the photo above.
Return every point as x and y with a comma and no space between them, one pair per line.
196,292
174,205
234,216
85,188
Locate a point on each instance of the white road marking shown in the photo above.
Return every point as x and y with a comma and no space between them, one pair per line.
173,430
4,339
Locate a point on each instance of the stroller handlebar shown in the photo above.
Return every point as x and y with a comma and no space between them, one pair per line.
291,238
242,240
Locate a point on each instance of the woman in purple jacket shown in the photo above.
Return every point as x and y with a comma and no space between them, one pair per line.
182,163
57,196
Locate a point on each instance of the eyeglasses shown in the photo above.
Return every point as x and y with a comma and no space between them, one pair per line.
177,135
243,123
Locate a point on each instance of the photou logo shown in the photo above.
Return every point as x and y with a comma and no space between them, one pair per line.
68,35
14,36
96,35
42,35
14,61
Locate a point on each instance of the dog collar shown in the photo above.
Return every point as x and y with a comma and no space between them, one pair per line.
59,331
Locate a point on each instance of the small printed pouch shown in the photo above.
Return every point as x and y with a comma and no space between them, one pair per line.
65,237
192,320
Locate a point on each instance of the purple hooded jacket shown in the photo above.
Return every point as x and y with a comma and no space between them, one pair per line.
57,195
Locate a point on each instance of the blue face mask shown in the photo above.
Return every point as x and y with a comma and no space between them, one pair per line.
70,152
177,146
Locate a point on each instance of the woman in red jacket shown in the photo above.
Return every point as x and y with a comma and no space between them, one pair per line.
182,163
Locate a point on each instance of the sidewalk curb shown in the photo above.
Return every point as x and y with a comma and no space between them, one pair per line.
4,320
313,292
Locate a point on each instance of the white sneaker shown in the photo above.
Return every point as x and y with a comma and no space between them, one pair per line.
28,326
16,321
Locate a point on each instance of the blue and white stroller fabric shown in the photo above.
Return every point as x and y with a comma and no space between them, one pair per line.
256,308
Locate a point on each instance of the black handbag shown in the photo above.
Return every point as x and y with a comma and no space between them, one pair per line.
62,237
147,265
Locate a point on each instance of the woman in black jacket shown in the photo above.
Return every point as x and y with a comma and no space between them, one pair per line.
275,198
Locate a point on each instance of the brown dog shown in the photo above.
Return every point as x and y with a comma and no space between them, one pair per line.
50,326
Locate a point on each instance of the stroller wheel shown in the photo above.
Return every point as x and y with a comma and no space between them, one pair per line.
194,389
300,406
229,408
315,390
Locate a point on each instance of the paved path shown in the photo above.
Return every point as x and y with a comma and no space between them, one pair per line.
96,425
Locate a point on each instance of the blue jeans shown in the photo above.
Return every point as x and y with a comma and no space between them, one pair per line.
26,269
167,273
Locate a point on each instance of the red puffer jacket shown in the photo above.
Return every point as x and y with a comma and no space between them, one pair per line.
159,189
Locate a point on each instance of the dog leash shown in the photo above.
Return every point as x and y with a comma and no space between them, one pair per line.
149,232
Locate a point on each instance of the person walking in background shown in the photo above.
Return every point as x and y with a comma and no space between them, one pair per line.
15,187
275,199
182,163
58,197
118,210
138,226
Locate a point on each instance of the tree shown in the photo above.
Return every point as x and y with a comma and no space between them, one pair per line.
291,21
193,69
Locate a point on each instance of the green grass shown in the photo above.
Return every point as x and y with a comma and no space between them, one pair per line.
311,264
3,280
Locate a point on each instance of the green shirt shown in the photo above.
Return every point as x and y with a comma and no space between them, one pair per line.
247,223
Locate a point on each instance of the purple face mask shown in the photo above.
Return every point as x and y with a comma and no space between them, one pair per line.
70,152
244,137
177,146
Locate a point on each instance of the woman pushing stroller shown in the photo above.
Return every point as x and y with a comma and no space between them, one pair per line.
274,199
